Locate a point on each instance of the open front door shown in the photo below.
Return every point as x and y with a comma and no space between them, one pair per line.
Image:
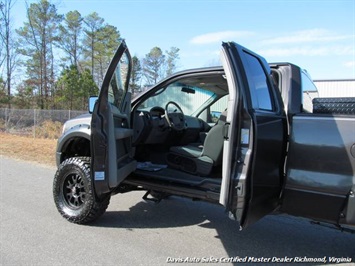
111,150
254,151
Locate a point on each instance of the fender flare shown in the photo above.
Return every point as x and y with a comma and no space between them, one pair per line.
78,131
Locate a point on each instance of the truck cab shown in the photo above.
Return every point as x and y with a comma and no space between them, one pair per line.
235,135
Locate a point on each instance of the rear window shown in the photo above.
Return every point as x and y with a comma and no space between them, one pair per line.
309,92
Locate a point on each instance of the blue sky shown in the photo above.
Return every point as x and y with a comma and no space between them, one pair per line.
318,35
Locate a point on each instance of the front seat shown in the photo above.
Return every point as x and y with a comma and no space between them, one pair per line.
200,160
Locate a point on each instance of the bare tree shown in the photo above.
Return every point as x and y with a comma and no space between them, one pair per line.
2,24
9,44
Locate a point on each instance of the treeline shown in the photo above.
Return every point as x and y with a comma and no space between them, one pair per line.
57,61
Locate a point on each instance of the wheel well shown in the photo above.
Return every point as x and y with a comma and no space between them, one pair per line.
75,147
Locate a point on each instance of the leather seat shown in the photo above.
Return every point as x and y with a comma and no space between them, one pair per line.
200,160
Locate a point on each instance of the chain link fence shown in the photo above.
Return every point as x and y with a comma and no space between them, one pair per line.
35,123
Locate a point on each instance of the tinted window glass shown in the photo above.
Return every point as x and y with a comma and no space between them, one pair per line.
118,83
309,92
218,108
258,83
307,83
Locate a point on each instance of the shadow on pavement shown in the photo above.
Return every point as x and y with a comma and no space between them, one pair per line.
273,236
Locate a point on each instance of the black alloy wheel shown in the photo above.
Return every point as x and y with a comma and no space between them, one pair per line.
73,192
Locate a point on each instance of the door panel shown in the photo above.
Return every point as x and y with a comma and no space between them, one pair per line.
321,168
267,168
111,134
253,187
120,162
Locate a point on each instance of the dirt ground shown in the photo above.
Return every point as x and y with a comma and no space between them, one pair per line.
27,148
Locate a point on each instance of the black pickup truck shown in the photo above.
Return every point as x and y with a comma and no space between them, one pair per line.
250,136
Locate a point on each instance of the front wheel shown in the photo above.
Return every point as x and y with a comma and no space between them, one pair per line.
74,194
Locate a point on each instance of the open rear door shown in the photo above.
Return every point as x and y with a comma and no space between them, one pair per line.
254,150
111,149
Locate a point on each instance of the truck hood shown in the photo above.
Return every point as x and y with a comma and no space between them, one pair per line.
84,119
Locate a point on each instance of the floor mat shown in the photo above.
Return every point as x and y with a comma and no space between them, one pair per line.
148,166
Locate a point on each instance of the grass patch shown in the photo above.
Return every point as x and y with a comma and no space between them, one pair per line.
49,130
27,148
46,129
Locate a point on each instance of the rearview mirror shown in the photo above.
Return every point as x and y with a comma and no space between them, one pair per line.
188,90
92,102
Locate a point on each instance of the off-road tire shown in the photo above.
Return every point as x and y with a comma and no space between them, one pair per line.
74,194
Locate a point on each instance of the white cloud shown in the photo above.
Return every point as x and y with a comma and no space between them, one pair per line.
340,50
291,51
349,64
307,36
214,37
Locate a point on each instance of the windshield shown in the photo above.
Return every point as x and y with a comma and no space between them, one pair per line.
189,98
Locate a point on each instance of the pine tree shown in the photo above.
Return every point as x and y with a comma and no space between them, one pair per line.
70,37
100,43
93,24
135,75
153,64
37,38
172,57
105,47
74,88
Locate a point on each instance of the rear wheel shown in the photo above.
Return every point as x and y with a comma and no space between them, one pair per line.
74,194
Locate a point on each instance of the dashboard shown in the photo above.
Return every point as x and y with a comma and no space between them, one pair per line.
151,126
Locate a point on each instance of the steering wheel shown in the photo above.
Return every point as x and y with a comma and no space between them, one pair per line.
175,116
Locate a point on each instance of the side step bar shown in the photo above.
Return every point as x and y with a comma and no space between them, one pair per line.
154,196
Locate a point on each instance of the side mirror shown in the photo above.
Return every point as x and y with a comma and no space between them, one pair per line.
215,116
92,102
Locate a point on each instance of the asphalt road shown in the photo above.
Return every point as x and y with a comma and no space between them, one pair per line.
133,232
